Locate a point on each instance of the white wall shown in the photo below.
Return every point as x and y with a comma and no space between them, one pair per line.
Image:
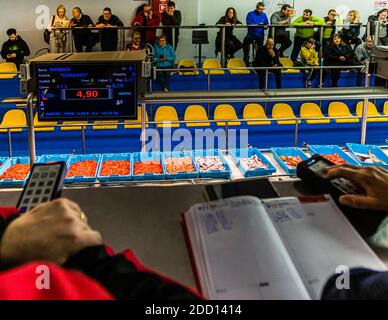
30,17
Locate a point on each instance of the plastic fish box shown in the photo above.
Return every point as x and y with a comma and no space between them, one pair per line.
48,158
237,154
115,157
3,160
8,164
328,150
288,152
213,174
147,156
180,175
364,149
84,157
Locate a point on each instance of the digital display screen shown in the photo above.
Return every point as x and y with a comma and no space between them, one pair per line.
87,91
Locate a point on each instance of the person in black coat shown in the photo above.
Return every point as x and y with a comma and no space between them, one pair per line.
338,53
232,44
171,17
268,56
15,49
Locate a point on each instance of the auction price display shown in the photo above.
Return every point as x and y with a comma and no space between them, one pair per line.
87,91
194,310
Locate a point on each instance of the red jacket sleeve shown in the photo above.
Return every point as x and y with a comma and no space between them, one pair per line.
138,20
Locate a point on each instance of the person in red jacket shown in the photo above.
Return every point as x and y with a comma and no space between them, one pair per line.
147,18
51,252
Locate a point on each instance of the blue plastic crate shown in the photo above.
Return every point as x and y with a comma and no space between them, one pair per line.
84,157
115,157
3,160
214,174
237,154
180,175
328,150
8,164
364,149
47,158
288,152
147,156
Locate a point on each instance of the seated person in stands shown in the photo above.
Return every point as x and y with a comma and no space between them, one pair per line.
350,35
145,18
54,240
309,57
15,49
165,58
268,56
331,19
380,17
363,283
363,53
136,43
232,44
338,53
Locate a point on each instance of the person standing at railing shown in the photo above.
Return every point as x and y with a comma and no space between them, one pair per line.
255,34
109,23
232,44
58,37
15,49
363,53
350,34
338,53
331,19
147,18
307,22
82,37
282,36
309,57
380,17
164,58
171,17
268,56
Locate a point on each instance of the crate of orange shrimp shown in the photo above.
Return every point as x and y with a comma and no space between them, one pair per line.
180,165
15,171
82,168
115,167
334,154
147,166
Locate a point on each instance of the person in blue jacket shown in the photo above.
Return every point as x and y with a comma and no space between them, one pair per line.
165,58
255,34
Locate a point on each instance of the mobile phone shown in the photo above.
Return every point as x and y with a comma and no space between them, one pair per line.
312,171
44,184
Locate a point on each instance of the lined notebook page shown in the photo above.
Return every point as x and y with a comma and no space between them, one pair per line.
319,238
238,253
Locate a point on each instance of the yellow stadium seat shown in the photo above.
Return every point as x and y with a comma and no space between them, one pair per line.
385,110
372,111
14,118
44,126
134,124
255,111
8,67
75,127
212,63
287,62
100,125
283,110
340,109
312,110
237,63
188,63
166,114
226,112
196,112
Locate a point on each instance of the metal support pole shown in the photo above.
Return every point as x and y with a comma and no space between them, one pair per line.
227,135
173,38
143,127
31,129
9,143
208,81
123,37
321,74
83,140
150,86
366,103
368,29
223,53
273,33
321,41
296,133
266,79
71,40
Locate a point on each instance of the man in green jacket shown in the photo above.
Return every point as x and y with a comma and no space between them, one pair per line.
307,22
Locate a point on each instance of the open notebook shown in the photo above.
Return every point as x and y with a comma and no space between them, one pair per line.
285,248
